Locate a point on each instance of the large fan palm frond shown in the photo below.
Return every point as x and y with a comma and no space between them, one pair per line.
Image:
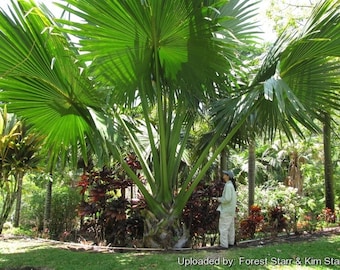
307,70
122,42
298,76
130,38
41,80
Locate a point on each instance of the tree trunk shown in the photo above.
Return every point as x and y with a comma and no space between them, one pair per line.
295,174
164,232
20,177
48,204
10,190
251,173
224,157
6,209
328,166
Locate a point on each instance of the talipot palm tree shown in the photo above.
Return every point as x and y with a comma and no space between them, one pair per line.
173,56
169,55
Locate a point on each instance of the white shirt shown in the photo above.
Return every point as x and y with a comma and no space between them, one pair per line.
228,200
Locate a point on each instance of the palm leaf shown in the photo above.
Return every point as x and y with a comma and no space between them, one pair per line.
41,80
298,76
124,37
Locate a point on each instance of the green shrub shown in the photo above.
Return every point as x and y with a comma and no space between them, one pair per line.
64,216
63,212
32,208
284,208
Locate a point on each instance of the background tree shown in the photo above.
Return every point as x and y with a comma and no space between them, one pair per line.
9,184
288,24
328,164
19,154
27,157
48,203
288,15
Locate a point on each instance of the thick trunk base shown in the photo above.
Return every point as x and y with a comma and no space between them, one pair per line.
165,234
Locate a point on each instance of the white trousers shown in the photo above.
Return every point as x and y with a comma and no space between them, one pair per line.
226,227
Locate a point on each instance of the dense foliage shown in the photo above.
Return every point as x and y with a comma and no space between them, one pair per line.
106,214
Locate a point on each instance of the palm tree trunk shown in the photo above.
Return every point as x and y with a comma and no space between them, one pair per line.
18,202
48,204
164,232
251,173
224,156
328,166
6,209
295,174
8,201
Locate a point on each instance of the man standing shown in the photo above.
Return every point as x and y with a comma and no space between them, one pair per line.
227,210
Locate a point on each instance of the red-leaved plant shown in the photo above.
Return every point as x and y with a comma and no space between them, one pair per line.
249,225
106,213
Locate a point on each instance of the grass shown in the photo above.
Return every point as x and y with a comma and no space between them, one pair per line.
317,254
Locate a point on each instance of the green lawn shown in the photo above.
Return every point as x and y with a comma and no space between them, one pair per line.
322,253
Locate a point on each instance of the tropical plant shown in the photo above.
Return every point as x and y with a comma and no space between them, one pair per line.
26,157
105,209
325,115
18,153
156,59
297,81
249,225
200,215
42,80
64,203
9,133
